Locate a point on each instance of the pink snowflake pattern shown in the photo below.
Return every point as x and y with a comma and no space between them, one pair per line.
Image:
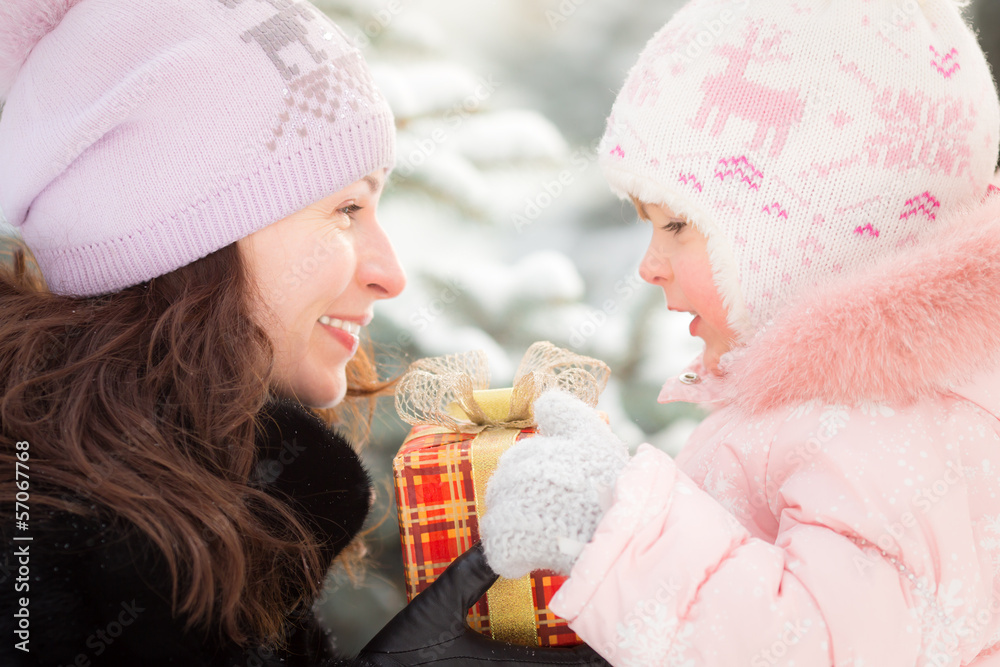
645,85
921,132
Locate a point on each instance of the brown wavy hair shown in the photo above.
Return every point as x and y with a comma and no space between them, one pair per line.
143,404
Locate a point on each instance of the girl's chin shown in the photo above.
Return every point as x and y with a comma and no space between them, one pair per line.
711,358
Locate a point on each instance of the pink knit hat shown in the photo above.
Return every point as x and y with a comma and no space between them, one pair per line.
140,135
805,138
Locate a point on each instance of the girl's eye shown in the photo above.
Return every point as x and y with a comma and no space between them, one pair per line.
674,226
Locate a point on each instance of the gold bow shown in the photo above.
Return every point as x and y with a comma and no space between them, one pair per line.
452,392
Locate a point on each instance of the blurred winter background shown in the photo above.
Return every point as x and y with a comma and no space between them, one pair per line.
507,232
503,223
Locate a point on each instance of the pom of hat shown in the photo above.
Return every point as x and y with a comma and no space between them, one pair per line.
22,24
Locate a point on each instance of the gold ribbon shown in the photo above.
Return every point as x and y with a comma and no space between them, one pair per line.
512,609
453,392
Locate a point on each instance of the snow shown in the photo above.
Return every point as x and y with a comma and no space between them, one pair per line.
419,89
510,135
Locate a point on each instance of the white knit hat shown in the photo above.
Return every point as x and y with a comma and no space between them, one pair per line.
805,138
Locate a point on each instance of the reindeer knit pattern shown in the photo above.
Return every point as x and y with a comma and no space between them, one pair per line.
807,139
140,135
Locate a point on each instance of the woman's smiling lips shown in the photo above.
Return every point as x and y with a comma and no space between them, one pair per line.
347,331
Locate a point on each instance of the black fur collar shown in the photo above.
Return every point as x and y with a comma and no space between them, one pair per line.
314,468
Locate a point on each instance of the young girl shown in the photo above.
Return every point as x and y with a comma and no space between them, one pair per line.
198,182
817,175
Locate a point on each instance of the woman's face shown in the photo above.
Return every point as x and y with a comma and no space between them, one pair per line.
320,271
677,262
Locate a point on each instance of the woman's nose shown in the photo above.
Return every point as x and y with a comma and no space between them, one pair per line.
379,269
655,267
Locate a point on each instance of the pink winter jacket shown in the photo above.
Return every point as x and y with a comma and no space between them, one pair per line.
841,504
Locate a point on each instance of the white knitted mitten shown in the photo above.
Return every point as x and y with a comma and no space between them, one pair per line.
549,491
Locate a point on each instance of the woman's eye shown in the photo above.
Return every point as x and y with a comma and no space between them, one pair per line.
674,226
350,209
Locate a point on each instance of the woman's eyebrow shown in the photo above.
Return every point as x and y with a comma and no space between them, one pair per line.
374,184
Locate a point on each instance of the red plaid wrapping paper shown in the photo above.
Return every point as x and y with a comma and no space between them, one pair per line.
435,498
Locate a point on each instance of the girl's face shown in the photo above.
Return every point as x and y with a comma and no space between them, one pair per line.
319,272
677,262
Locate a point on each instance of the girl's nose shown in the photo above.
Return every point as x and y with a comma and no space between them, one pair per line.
379,269
655,267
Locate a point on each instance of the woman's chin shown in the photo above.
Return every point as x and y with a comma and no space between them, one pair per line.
323,392
330,397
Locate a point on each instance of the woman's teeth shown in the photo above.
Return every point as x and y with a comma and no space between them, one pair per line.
352,328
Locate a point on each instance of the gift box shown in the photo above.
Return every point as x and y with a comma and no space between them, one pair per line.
460,427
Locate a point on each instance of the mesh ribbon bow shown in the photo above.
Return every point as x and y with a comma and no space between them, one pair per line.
453,391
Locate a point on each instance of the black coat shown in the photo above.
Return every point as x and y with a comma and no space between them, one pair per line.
99,592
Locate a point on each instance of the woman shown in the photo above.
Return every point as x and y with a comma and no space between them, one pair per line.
197,181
